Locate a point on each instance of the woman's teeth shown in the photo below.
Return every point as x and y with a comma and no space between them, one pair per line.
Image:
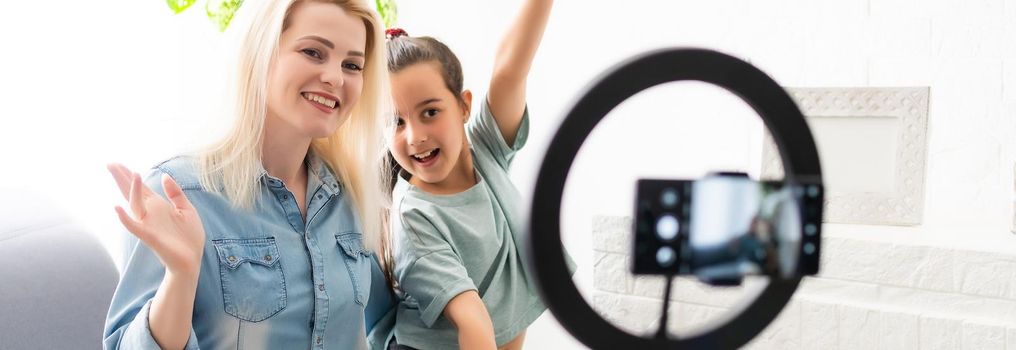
319,99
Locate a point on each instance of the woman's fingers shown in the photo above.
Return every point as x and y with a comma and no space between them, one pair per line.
130,224
122,176
136,199
174,193
147,192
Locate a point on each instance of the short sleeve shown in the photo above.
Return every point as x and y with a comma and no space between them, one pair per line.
433,280
432,276
486,137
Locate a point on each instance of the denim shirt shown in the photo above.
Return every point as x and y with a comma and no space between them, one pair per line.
267,279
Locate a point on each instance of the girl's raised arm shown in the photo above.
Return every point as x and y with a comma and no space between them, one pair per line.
507,94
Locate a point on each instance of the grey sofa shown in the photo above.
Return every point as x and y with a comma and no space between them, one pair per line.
56,280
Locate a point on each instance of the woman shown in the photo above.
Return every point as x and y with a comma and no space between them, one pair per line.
266,239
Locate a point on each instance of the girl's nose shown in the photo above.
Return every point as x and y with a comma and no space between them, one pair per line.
415,136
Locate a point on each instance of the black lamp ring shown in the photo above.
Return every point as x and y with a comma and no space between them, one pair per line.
547,261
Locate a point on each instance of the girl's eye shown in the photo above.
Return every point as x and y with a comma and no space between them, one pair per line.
399,122
352,67
430,113
313,53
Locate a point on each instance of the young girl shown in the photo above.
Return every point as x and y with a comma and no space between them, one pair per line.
456,215
266,240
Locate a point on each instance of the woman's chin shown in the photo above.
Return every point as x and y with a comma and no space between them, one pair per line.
322,128
320,132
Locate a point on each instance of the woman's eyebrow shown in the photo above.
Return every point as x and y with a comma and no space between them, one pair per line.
319,39
330,45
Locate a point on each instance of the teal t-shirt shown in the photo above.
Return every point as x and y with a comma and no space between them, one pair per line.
449,244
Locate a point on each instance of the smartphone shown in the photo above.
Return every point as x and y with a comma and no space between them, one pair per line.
726,226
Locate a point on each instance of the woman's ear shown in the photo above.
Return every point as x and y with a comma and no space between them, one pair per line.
467,103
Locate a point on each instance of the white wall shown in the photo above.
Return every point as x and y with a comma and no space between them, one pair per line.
85,83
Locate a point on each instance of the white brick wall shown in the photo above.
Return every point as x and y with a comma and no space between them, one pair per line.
869,295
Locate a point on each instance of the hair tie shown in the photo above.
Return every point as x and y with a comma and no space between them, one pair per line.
392,33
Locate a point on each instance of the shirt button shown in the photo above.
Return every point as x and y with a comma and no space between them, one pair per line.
319,196
319,340
285,197
268,258
321,287
231,258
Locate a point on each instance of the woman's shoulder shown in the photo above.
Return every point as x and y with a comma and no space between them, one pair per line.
184,169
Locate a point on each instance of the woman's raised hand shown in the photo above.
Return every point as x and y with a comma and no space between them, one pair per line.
172,229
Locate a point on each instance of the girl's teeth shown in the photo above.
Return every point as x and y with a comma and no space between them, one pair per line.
423,155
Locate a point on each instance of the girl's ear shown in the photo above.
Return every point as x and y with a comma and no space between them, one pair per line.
467,103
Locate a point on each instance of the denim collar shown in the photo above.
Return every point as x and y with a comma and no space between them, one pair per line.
318,175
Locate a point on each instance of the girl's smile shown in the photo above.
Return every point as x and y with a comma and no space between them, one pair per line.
426,159
430,138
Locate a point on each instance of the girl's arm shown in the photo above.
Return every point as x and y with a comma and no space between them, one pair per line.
507,93
468,314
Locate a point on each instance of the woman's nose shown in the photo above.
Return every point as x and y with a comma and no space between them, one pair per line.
332,76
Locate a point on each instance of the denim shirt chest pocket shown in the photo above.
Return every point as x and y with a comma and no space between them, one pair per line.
357,259
253,285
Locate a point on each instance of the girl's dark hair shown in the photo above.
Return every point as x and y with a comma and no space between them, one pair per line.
405,51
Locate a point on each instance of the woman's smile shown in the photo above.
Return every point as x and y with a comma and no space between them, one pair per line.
324,102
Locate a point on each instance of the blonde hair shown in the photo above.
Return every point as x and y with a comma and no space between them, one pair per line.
355,152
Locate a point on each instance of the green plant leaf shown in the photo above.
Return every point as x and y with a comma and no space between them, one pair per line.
179,5
221,12
388,11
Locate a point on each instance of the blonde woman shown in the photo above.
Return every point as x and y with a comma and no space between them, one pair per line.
268,239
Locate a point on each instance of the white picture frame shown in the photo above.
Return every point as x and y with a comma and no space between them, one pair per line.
873,147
